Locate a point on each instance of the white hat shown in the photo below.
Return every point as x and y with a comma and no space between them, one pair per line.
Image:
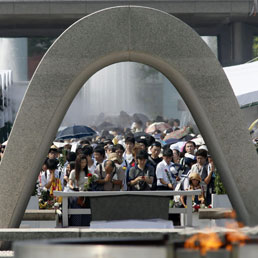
198,140
190,156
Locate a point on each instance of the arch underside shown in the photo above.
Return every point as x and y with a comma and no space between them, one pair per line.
142,35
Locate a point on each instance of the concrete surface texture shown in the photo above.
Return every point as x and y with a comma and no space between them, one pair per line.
232,21
142,35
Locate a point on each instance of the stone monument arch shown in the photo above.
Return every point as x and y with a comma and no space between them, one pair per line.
138,34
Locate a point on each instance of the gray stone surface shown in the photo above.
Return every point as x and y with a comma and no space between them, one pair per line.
129,207
85,248
174,234
37,18
129,34
215,213
186,253
11,234
38,233
39,215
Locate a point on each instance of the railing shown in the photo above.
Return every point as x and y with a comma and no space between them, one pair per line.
66,211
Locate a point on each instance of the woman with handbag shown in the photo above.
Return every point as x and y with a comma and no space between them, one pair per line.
76,183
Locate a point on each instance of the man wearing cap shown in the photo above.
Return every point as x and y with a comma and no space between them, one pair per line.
119,173
53,153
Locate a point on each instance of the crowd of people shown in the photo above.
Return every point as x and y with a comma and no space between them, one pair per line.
124,162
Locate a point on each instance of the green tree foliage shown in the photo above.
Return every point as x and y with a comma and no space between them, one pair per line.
219,187
255,47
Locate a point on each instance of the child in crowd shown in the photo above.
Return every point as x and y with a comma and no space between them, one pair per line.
194,184
70,166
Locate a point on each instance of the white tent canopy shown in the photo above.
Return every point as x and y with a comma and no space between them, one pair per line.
244,81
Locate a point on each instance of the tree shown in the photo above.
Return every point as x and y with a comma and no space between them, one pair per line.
255,47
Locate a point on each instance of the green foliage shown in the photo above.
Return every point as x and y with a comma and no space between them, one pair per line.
62,158
219,187
255,46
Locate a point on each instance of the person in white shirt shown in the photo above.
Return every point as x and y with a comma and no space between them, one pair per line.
99,154
88,152
52,175
119,150
166,172
201,168
77,176
129,145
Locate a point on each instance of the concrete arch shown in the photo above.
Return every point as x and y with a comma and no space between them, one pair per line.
137,34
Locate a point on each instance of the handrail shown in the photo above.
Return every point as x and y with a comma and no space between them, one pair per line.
115,193
66,211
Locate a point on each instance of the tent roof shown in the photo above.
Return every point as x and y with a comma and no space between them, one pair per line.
244,81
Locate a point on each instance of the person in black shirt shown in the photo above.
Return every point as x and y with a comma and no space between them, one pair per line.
141,176
154,160
154,156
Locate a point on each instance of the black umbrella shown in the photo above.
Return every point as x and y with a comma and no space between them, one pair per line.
76,131
142,135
